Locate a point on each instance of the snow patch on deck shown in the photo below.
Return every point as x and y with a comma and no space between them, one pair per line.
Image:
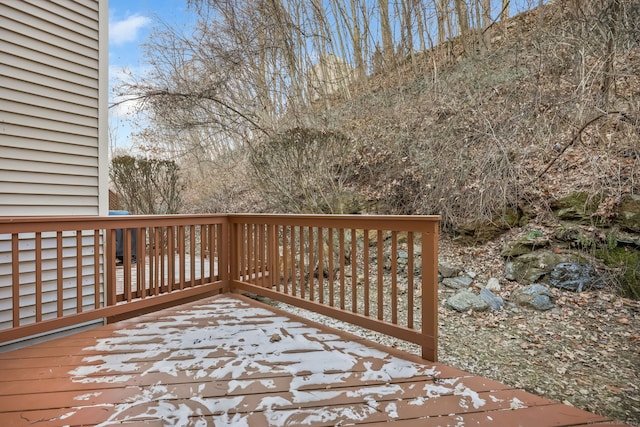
233,351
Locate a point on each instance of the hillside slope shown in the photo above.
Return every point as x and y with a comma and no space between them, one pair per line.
511,128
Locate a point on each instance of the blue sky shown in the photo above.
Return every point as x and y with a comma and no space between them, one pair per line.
130,22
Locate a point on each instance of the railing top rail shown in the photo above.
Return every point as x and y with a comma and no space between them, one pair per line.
63,223
389,222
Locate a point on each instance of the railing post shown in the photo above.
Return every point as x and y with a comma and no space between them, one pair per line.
430,291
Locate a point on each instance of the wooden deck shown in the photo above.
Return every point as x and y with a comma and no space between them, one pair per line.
229,360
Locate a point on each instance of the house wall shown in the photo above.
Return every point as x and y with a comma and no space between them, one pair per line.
51,108
53,137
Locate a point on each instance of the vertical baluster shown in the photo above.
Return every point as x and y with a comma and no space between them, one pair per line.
293,261
79,271
321,265
96,269
330,252
160,263
365,266
254,261
192,254
394,277
380,265
242,248
38,250
303,269
250,253
274,257
153,277
214,264
171,259
219,266
354,272
285,259
261,254
310,273
203,251
110,268
213,253
182,251
126,254
342,267
141,261
15,279
410,296
60,273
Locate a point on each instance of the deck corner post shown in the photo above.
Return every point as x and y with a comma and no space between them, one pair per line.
430,291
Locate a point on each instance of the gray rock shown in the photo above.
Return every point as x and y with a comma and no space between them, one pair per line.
494,302
448,270
461,282
525,245
466,300
575,276
493,285
536,296
629,213
528,268
541,303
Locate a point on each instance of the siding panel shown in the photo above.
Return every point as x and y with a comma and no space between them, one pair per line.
11,141
45,67
66,42
26,154
47,135
31,100
35,178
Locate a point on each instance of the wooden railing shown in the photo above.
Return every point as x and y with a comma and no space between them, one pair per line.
59,276
378,272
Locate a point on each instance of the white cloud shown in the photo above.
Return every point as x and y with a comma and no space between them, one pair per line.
123,106
126,30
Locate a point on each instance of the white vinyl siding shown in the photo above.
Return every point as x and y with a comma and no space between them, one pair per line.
49,107
53,143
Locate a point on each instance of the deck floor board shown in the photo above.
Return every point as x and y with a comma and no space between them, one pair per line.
229,360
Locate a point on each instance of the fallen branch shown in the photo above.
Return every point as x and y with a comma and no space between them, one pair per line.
575,138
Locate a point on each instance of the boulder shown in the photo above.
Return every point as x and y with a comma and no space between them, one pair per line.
493,301
535,296
532,241
528,268
448,270
461,282
493,285
466,300
629,213
578,207
575,276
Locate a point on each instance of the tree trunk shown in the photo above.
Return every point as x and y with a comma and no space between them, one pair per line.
385,28
356,40
463,21
486,23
